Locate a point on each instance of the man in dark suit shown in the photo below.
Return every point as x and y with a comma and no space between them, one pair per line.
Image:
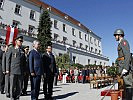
35,65
2,76
49,72
15,63
84,75
27,71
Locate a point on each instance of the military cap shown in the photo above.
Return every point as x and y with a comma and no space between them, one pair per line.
119,32
19,37
26,47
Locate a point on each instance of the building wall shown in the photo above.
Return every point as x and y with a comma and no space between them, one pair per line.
7,14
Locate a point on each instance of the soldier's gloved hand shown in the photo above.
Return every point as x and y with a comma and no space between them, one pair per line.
7,72
124,71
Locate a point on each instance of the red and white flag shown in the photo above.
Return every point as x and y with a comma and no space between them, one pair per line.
11,34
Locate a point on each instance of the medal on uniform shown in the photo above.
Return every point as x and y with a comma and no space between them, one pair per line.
15,55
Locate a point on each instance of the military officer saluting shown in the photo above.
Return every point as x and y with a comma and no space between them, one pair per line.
15,62
124,59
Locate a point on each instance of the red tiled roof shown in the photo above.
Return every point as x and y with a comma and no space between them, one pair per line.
60,13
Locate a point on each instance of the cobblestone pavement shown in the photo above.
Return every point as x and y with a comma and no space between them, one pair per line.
68,91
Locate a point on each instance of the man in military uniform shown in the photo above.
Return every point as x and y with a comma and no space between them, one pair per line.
124,59
15,63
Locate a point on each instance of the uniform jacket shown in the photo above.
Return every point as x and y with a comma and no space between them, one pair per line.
15,61
124,51
35,62
49,64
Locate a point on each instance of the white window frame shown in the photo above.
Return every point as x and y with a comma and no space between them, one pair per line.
56,24
29,30
33,17
73,32
80,35
2,4
17,9
15,23
64,27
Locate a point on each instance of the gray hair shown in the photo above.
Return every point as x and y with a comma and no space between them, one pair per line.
36,41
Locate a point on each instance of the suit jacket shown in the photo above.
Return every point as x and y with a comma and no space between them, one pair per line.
35,62
4,62
49,64
1,54
27,70
15,61
84,72
124,51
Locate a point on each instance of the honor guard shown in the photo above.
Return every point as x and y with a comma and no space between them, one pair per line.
124,59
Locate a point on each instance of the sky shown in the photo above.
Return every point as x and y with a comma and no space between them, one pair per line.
103,17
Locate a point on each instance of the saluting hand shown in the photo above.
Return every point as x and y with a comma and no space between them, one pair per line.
7,72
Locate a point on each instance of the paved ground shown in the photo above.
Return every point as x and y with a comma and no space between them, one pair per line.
69,91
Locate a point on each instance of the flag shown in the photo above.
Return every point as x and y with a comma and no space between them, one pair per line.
11,34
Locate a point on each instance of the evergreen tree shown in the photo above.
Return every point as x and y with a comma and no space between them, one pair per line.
44,30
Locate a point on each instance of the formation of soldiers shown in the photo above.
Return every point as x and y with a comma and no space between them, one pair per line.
17,65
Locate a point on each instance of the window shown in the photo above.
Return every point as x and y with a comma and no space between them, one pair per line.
32,14
95,42
15,23
60,54
64,39
55,24
80,35
95,62
88,61
31,29
98,43
91,49
95,50
74,43
73,31
18,9
86,47
55,37
74,59
100,63
85,37
64,27
91,40
99,51
1,3
81,45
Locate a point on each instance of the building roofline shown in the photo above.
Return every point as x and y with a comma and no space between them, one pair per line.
60,13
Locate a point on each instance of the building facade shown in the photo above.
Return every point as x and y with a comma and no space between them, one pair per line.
68,34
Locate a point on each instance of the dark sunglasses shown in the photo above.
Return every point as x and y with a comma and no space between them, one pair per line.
21,40
27,49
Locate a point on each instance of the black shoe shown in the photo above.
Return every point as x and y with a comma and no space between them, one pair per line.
24,93
8,96
2,92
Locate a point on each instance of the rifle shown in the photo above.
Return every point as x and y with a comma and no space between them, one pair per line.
116,81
